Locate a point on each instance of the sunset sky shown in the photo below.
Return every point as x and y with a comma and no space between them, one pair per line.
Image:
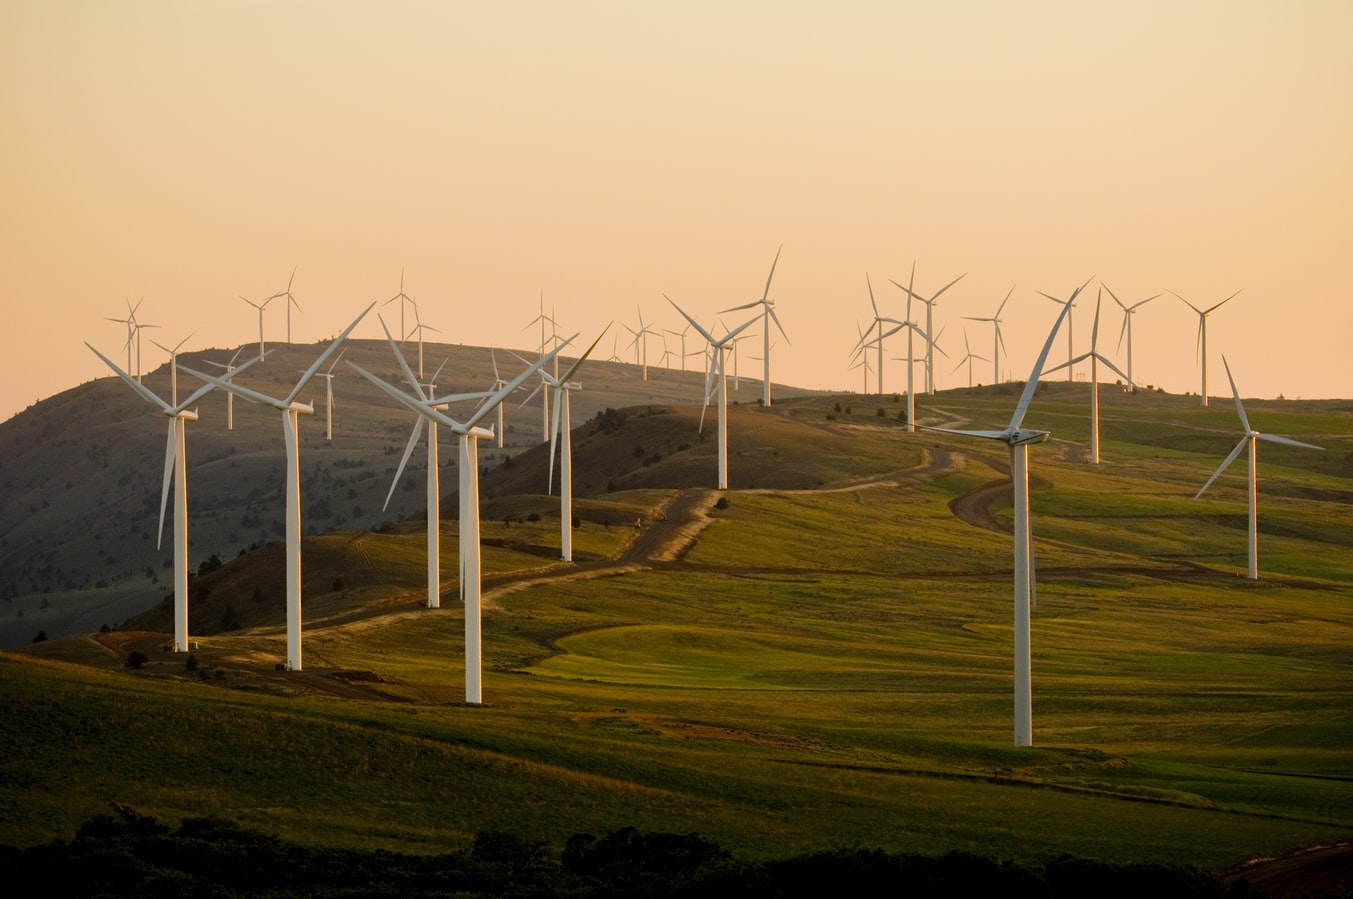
605,153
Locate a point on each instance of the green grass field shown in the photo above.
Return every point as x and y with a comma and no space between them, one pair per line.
829,665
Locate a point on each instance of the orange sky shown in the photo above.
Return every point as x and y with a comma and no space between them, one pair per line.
607,152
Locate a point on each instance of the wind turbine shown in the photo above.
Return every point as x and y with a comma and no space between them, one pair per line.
328,376
879,322
403,298
1018,438
419,328
912,329
716,377
260,307
997,343
469,434
1127,327
498,383
563,386
1070,365
1200,349
230,397
173,370
291,301
929,323
291,408
968,358
130,322
425,394
175,469
1095,358
767,316
545,394
640,342
1249,441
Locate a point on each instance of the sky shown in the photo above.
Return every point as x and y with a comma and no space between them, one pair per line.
596,155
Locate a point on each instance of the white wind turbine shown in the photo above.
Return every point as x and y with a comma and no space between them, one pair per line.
879,322
328,376
130,322
419,328
554,335
929,323
912,329
716,379
401,298
640,342
260,307
425,393
1095,358
1127,327
767,316
1200,349
291,301
1018,438
175,469
291,408
997,343
1070,365
173,369
469,434
562,430
227,367
1249,440
968,358
498,383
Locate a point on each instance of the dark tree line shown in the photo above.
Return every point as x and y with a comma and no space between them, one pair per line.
128,854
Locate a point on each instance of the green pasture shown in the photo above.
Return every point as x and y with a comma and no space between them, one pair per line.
828,666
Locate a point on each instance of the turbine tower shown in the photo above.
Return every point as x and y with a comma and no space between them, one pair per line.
997,343
929,323
291,408
469,434
716,379
1018,438
1095,358
1200,350
1249,441
1127,327
175,469
767,316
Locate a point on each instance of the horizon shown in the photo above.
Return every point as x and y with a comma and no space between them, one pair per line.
606,155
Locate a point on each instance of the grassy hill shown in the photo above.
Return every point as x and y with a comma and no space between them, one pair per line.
80,497
822,661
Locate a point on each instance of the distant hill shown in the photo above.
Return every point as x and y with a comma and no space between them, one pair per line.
80,492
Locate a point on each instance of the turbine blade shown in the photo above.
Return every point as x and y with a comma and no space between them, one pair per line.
766,293
1018,418
404,460
170,447
143,390
1229,459
1244,421
324,356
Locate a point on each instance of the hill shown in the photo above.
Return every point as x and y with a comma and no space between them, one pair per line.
81,489
820,661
